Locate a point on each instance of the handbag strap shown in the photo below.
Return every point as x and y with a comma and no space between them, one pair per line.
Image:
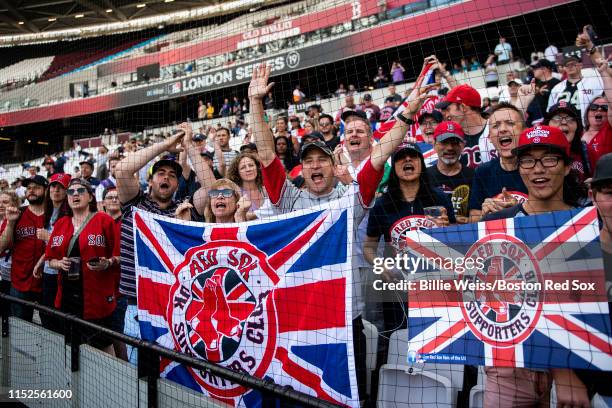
76,234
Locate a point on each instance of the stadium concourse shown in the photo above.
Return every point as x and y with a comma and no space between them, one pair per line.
306,203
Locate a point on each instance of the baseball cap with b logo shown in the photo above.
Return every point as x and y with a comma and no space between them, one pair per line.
61,178
543,136
448,130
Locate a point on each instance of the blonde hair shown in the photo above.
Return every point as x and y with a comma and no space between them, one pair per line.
209,216
313,123
15,200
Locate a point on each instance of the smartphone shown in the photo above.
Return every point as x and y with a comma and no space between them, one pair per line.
592,34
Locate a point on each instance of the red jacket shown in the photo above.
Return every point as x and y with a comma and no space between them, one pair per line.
27,250
98,239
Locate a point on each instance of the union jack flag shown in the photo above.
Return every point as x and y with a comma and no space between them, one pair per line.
271,298
523,324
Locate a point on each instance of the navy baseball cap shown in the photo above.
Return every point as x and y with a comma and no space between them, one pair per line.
345,115
603,170
543,63
312,137
37,179
406,148
170,163
434,114
316,144
562,106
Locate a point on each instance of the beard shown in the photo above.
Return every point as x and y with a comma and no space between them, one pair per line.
37,201
449,162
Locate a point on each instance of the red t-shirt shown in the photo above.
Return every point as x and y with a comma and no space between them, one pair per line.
599,145
27,250
98,239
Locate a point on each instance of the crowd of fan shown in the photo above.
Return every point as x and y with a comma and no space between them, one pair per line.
529,153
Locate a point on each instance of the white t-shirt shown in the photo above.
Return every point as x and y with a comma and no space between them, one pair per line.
503,52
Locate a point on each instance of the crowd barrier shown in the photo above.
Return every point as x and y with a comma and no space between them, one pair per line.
40,368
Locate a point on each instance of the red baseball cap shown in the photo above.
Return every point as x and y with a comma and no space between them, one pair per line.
62,178
461,94
447,130
544,136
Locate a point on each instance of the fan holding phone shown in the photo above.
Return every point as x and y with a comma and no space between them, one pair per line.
83,247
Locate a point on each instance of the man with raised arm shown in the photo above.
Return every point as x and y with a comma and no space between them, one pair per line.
320,186
163,183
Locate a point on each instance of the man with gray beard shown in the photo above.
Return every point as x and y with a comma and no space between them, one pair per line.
449,175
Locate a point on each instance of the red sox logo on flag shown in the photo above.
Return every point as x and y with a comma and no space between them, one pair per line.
271,299
536,299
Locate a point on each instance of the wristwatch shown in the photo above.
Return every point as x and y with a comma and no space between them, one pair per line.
404,119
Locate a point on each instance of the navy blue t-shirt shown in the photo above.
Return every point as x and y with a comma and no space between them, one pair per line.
393,219
490,179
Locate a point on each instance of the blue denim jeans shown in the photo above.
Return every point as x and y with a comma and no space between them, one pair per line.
131,327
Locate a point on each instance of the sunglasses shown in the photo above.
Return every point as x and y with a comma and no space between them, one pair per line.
75,191
225,192
596,107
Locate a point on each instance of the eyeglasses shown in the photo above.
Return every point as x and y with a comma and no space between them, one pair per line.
431,123
596,107
561,119
225,192
112,198
75,191
530,162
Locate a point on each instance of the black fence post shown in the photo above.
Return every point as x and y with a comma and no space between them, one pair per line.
72,336
5,323
148,366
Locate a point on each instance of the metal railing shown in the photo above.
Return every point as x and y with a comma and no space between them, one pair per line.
149,355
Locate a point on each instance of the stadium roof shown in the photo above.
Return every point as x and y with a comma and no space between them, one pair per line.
36,20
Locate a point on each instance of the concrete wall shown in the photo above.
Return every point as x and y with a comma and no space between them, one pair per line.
33,358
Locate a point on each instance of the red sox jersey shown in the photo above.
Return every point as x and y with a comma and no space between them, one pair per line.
27,250
99,238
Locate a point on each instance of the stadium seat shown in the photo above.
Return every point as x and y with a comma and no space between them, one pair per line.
477,391
428,383
371,334
600,401
403,386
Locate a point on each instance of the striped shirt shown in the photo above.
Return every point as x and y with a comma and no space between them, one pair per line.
127,283
228,156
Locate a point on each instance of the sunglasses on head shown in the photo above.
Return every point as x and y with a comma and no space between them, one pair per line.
75,191
225,192
596,107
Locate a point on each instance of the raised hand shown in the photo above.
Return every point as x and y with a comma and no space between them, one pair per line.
183,211
172,143
12,214
243,205
259,86
528,89
187,130
603,66
584,39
